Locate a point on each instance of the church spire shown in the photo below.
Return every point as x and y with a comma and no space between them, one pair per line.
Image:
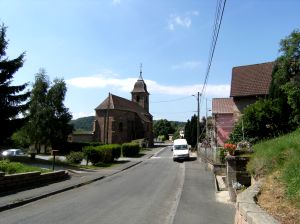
141,71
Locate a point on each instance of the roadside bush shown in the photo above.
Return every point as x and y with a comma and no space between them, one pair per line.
15,167
91,154
130,149
116,150
98,154
75,157
105,153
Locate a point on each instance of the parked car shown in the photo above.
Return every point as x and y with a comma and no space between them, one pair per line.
12,152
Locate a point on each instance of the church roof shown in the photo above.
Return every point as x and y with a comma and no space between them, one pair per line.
119,103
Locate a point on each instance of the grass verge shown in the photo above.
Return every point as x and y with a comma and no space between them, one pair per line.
280,155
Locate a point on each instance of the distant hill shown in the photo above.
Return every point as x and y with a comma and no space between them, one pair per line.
83,123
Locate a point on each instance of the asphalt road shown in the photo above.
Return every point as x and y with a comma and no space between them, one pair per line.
151,192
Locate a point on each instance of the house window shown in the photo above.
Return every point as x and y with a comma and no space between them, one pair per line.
120,127
137,98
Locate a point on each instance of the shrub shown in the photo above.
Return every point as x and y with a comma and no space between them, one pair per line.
222,154
99,154
116,150
130,149
75,157
91,154
15,167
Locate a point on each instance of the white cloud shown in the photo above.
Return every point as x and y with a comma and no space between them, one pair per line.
100,81
126,85
211,90
116,2
187,65
181,21
176,20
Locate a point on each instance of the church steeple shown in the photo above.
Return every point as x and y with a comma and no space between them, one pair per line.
139,93
141,72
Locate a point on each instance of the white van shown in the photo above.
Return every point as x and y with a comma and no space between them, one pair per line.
180,149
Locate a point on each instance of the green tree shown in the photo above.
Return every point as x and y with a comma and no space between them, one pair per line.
20,139
187,131
48,118
12,97
190,130
285,86
163,127
260,120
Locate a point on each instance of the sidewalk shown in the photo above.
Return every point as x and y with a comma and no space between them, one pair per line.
77,179
198,202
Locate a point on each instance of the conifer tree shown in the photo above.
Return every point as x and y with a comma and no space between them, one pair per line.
12,97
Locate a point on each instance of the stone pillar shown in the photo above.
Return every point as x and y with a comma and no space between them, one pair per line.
231,176
236,173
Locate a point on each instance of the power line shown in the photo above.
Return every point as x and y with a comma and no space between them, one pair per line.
182,112
216,29
172,100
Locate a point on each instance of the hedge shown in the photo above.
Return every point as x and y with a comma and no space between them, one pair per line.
75,157
130,149
116,150
102,154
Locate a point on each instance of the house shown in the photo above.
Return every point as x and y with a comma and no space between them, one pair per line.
223,110
119,120
248,84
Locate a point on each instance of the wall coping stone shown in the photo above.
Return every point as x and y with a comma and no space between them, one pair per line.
247,207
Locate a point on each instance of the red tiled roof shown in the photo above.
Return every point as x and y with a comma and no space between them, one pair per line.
251,80
119,103
222,105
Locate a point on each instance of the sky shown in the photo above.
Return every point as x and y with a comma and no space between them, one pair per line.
97,47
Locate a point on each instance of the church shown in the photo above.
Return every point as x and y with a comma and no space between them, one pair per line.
119,120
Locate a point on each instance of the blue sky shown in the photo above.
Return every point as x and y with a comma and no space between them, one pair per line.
97,46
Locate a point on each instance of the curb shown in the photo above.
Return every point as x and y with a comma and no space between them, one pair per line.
45,195
247,210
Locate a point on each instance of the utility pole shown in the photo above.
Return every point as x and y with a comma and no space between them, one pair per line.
206,133
198,118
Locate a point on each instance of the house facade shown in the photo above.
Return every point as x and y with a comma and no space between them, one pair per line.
248,84
119,120
223,110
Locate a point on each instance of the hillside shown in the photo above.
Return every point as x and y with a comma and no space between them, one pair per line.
277,160
83,123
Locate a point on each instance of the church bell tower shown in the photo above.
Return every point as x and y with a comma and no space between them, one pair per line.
139,93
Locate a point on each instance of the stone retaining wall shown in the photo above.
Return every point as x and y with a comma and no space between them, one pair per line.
25,180
247,211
